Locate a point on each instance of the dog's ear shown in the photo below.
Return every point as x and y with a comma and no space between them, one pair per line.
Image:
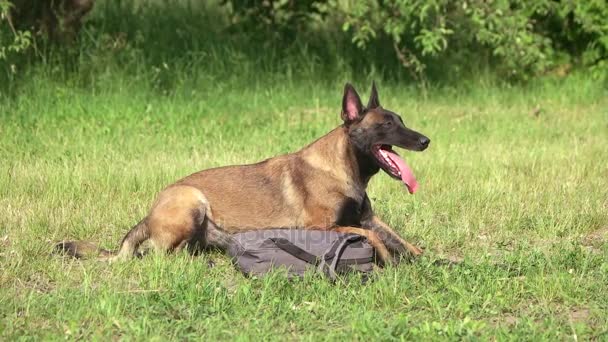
352,109
374,101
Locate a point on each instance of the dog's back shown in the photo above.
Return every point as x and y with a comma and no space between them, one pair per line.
301,189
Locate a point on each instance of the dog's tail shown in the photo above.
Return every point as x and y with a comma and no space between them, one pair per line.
82,250
85,250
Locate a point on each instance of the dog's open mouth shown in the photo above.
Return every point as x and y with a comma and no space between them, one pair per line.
392,164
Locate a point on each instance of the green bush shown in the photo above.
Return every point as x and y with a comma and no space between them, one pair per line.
516,38
12,40
440,40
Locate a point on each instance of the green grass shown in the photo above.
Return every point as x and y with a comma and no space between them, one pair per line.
511,194
520,199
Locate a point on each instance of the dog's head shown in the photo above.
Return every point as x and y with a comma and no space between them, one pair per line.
374,130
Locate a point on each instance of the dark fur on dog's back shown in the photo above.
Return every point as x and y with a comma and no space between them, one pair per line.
322,186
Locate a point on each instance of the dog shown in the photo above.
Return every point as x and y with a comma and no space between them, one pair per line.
322,186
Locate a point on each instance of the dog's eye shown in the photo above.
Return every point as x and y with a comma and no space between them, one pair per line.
388,124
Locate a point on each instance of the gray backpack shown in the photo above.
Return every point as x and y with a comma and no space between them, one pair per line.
257,252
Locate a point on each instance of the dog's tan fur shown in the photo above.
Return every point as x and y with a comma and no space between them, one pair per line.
311,189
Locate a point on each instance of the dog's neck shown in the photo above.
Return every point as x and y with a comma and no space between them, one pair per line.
336,154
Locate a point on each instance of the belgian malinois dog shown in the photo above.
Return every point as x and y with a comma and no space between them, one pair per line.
322,186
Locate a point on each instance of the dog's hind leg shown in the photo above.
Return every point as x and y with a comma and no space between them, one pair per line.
178,218
207,234
216,237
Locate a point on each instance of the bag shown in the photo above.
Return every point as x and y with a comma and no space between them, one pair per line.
330,253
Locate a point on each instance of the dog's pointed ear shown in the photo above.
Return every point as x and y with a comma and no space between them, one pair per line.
374,101
352,109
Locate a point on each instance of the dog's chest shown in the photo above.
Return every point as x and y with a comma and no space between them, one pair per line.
349,212
333,209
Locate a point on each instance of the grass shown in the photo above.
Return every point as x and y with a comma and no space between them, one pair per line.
521,199
511,194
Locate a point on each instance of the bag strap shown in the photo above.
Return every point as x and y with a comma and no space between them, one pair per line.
335,252
331,252
296,251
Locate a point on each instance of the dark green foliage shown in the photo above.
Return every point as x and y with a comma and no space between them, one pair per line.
516,38
12,40
421,40
282,18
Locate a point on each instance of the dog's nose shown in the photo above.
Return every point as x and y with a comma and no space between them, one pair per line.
424,141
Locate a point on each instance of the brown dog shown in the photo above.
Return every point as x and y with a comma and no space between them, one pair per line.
323,186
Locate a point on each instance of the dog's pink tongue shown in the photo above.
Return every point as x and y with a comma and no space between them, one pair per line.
407,176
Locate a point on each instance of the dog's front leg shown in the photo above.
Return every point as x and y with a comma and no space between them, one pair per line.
390,238
372,237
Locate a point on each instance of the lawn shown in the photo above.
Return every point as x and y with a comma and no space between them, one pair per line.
514,186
